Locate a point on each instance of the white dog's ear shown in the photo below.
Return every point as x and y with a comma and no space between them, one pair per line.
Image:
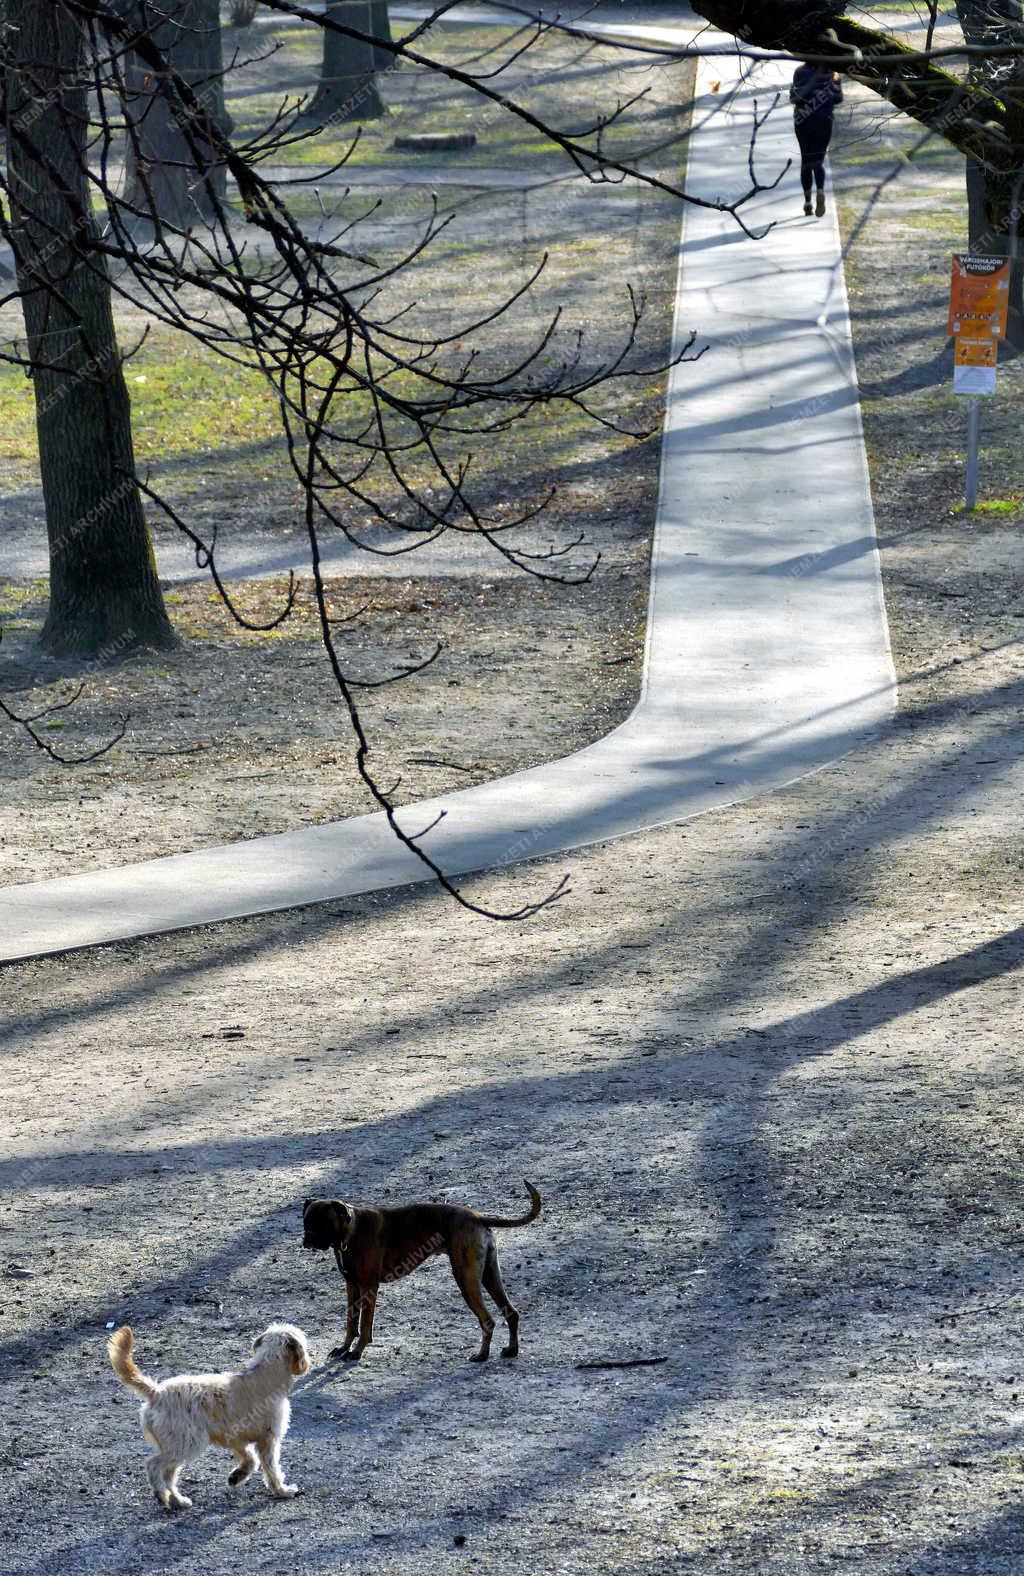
296,1355
257,1343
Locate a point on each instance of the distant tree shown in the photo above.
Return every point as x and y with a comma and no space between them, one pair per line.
380,26
991,197
348,90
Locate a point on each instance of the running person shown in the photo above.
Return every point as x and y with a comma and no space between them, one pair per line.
814,95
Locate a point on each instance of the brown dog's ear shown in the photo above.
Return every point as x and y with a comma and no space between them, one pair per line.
306,1204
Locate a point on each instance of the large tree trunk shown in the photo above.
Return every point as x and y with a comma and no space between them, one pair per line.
347,88
380,27
173,172
104,593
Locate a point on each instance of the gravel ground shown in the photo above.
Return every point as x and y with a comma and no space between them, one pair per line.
763,1066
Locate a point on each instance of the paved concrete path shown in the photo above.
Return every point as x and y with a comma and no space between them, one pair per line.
767,647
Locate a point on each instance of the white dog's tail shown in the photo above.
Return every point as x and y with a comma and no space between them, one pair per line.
119,1348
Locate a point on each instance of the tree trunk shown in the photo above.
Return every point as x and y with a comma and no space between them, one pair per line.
104,593
173,173
347,88
380,27
977,222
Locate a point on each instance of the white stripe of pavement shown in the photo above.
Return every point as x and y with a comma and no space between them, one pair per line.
767,648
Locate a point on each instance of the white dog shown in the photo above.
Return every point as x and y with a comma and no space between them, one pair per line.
247,1412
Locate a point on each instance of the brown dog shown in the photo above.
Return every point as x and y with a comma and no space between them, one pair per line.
375,1245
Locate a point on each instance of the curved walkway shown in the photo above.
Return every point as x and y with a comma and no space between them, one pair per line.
767,647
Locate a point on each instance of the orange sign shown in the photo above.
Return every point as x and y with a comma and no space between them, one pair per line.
979,296
974,352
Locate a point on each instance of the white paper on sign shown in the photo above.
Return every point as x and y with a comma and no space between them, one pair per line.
974,380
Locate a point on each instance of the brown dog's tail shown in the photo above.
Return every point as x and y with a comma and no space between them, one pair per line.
119,1349
522,1220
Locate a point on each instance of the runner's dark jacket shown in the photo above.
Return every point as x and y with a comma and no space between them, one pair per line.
814,94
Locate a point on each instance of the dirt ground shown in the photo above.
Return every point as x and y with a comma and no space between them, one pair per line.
236,736
764,1067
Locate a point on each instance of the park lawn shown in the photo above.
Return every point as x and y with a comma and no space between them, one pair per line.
419,100
211,431
185,400
208,432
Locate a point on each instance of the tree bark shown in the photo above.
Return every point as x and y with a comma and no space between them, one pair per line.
173,172
105,597
347,88
380,27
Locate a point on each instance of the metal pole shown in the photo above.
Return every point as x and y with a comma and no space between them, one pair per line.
973,438
1015,241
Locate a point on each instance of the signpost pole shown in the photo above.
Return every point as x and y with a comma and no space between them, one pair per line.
973,441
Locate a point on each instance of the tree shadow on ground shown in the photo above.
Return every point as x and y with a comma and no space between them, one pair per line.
730,1167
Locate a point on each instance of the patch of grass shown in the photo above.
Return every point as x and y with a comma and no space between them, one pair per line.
999,506
15,594
185,400
209,432
425,101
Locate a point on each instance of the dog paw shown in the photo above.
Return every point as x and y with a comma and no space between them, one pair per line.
337,1354
179,1502
479,1357
287,1491
510,1351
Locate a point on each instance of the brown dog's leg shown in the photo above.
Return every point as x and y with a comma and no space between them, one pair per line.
467,1266
366,1303
351,1320
495,1286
